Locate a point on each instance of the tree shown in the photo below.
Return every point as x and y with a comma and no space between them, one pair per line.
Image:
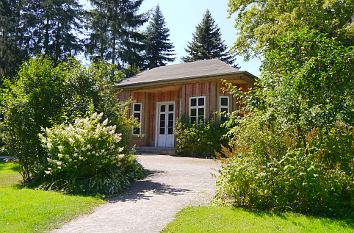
297,137
113,29
307,57
260,23
158,47
11,53
207,43
51,28
45,94
296,140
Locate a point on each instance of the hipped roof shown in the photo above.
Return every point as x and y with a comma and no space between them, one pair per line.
183,71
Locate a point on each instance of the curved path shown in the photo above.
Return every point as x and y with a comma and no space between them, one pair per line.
150,204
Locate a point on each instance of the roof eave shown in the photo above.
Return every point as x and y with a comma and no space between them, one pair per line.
152,83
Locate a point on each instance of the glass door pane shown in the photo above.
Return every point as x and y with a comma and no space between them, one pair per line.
162,123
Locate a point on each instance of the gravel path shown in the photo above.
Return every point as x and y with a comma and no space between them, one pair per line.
150,204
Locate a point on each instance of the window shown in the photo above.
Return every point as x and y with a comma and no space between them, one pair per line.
224,107
137,109
196,109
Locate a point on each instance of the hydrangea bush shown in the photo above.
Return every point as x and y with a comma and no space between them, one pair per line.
87,157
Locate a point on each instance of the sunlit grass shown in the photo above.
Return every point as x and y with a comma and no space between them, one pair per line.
225,220
27,210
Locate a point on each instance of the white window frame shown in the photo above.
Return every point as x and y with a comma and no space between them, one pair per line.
196,107
224,106
140,118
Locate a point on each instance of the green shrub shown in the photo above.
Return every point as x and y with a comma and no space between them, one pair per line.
293,150
266,170
45,94
201,140
87,157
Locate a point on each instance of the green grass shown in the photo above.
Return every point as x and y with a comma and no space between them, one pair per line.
220,219
28,210
9,174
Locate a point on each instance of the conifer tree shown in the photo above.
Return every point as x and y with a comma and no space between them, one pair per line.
33,27
114,35
53,26
11,54
158,48
207,43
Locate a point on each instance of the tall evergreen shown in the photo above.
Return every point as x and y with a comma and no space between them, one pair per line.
207,43
158,48
53,27
11,52
114,36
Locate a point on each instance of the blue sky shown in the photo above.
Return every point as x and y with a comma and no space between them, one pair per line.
182,16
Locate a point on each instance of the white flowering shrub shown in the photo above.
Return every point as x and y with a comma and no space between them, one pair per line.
87,157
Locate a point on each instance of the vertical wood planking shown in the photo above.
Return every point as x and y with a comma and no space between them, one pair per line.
183,100
210,88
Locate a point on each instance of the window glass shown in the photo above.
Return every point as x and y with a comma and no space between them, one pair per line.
224,101
224,110
137,112
136,131
163,108
137,116
200,101
137,107
170,107
197,109
200,111
193,102
162,117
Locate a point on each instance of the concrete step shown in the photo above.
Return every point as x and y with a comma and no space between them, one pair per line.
155,150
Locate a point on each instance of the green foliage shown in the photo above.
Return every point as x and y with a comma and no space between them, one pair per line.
114,34
266,170
207,43
294,150
44,95
261,23
201,140
314,89
87,157
11,52
52,28
32,102
158,48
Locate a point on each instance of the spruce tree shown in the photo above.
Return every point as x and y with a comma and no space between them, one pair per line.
11,52
158,48
114,36
96,46
53,26
207,43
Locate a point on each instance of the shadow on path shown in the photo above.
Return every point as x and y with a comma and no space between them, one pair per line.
145,189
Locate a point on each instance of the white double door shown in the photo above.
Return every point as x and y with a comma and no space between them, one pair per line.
165,124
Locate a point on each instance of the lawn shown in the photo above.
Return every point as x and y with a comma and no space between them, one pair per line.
219,219
27,210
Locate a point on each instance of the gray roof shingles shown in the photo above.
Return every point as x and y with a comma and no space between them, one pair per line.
203,68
